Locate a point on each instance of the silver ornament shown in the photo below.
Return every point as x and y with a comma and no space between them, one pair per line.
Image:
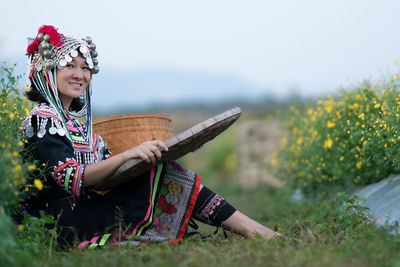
62,131
40,36
92,46
62,62
94,54
41,133
88,39
83,49
49,64
95,61
68,58
90,63
53,130
96,69
46,38
45,45
46,53
74,53
29,131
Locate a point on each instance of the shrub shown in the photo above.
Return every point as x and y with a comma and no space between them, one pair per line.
349,139
18,179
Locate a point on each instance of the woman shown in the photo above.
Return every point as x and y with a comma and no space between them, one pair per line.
155,206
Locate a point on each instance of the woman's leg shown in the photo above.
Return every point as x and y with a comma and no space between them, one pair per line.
213,209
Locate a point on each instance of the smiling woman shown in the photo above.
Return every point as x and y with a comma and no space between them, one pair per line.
155,206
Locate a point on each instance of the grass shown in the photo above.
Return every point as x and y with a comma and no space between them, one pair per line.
314,235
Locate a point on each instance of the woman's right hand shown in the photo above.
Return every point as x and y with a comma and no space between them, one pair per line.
149,151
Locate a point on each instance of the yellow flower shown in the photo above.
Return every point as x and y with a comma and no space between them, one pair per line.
15,154
38,184
328,143
31,167
377,105
20,228
20,143
328,108
330,124
341,158
26,89
10,67
395,77
359,165
3,145
310,111
26,111
395,62
26,189
299,141
18,168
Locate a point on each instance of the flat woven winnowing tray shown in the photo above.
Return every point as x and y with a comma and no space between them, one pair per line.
178,146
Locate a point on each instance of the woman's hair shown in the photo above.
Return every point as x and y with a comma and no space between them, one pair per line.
34,95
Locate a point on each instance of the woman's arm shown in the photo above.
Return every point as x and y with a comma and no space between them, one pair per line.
147,151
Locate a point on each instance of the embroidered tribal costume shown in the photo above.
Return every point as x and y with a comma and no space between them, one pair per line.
156,206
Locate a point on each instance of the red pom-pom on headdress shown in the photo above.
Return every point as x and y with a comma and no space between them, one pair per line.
56,39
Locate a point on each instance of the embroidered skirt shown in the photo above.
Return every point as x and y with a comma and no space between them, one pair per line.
155,206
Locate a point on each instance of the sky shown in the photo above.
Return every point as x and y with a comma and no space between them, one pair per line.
180,50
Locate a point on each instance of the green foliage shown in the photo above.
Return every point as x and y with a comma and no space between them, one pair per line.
13,110
345,140
18,179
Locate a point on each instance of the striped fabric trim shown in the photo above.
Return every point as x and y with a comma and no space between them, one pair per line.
153,197
43,112
97,241
77,138
69,175
82,147
139,228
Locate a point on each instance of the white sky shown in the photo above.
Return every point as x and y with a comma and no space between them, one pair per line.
313,45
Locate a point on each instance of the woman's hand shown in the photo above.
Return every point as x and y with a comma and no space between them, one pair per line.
149,151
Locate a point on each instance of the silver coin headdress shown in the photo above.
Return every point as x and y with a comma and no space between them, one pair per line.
51,51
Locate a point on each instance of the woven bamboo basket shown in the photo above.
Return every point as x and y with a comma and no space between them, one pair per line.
122,132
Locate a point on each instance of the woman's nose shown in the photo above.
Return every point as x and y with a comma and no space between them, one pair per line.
78,74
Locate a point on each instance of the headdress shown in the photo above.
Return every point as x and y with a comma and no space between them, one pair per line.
51,50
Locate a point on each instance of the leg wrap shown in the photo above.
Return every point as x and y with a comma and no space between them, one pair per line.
211,208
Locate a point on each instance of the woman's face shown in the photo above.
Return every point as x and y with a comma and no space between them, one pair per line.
72,80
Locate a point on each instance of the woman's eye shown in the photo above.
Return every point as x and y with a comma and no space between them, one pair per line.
69,65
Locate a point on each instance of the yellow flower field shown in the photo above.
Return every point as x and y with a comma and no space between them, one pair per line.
345,140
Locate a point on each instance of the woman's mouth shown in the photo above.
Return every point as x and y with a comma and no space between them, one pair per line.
76,85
